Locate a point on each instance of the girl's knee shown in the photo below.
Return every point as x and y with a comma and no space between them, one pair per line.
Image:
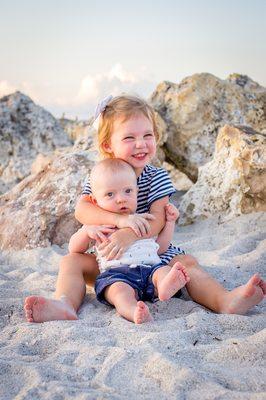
186,259
67,261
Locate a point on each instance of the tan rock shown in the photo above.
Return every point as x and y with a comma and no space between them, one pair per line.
39,211
26,129
74,128
234,182
198,107
180,181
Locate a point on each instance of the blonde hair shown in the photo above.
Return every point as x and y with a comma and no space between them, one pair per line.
113,165
125,106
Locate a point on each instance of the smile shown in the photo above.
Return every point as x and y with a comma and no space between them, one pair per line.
140,156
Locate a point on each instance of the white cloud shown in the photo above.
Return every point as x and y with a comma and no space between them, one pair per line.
91,90
6,88
94,87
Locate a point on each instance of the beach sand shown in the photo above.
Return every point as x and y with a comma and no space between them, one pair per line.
188,352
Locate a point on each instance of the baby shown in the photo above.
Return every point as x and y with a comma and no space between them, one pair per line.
138,274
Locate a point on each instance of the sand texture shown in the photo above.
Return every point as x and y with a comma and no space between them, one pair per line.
188,352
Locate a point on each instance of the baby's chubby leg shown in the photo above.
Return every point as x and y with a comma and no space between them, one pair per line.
169,280
123,298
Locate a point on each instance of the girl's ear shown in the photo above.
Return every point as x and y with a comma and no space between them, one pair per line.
107,147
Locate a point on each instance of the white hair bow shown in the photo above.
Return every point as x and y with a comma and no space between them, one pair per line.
102,106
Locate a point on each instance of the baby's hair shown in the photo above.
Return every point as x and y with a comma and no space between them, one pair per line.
125,106
113,165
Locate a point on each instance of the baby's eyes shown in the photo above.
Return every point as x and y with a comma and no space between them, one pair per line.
128,190
109,194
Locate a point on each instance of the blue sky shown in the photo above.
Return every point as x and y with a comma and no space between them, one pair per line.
67,54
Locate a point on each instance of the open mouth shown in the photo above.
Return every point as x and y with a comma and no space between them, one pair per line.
140,156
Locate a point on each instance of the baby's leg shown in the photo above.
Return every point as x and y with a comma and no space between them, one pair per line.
123,297
169,280
70,290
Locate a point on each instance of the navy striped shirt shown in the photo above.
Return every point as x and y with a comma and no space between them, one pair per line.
153,184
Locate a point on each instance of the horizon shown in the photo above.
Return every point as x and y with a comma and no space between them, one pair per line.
69,55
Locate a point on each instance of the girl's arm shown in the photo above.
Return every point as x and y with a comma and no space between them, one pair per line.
165,236
123,238
89,213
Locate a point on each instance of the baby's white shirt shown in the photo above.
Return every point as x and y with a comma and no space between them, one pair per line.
143,251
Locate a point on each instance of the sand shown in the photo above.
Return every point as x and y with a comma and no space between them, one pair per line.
188,352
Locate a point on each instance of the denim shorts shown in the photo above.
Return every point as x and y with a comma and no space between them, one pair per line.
139,278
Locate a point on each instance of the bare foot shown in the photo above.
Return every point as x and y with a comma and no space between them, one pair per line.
176,278
40,309
142,313
243,298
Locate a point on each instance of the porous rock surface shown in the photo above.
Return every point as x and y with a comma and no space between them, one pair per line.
39,211
234,182
26,130
195,109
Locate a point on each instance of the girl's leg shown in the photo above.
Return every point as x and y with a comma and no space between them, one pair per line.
207,291
70,290
123,297
168,280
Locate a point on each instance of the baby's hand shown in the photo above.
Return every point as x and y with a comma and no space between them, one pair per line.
137,222
99,232
171,212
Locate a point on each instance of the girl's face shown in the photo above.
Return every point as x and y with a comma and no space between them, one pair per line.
133,140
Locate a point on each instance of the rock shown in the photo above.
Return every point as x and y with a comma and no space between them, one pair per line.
74,128
39,211
25,130
40,163
180,181
234,182
198,107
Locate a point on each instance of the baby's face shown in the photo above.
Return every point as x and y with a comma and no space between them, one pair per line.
116,192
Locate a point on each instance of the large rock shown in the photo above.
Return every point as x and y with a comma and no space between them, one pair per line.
195,109
39,211
76,129
234,182
25,130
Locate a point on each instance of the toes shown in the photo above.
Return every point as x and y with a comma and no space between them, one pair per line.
255,279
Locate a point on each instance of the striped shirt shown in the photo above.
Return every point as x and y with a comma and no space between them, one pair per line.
153,184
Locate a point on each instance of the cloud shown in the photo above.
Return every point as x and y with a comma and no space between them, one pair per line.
115,81
6,88
82,101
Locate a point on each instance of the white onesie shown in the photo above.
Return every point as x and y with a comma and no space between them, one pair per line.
142,252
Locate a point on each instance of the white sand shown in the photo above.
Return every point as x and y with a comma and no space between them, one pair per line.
188,352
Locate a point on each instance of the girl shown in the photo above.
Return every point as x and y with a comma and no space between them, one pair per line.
127,130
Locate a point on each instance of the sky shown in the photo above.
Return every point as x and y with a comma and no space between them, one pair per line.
69,54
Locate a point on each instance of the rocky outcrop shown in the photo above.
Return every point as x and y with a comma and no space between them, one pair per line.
39,211
234,182
198,107
75,129
25,131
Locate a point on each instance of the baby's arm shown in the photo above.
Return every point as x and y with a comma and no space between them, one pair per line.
79,241
86,236
165,236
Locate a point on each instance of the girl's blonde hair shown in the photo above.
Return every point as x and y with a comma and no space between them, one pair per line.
125,106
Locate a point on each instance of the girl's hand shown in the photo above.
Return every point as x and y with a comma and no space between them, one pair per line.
137,222
99,232
119,241
171,212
